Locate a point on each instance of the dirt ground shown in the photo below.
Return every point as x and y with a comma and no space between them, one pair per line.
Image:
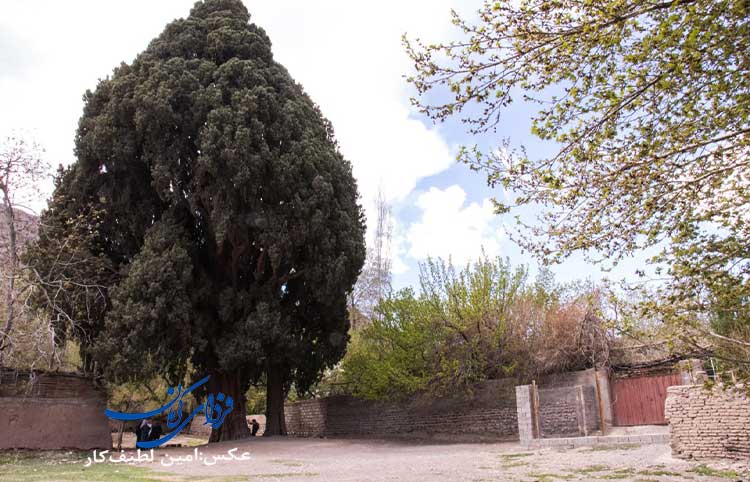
340,460
184,440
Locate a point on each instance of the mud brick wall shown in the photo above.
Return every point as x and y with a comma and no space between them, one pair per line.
559,417
52,411
199,427
708,424
568,411
490,412
588,380
46,385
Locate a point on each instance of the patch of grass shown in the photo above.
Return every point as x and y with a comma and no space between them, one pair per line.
516,455
549,477
195,442
12,458
711,472
226,478
659,473
64,472
646,480
627,470
288,463
591,469
608,448
60,466
284,474
515,464
45,457
613,476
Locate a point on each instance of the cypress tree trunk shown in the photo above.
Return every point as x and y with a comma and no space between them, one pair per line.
235,425
275,423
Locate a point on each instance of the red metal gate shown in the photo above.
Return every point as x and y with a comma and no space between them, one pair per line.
640,400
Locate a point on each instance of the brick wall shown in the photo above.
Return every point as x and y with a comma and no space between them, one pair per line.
198,425
568,406
588,380
708,424
46,385
52,412
566,411
490,412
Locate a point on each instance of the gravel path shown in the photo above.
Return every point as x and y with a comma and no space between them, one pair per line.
340,460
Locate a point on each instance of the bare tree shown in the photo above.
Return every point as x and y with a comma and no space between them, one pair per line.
382,247
68,278
22,170
375,281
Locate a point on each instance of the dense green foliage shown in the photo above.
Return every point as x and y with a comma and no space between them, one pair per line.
227,212
482,322
389,355
647,104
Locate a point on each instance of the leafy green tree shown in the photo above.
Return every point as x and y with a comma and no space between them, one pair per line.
647,104
484,321
474,306
391,355
228,214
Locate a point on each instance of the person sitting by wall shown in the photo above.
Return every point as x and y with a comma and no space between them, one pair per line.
148,430
141,430
155,432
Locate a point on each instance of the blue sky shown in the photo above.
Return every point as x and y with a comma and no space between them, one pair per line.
348,56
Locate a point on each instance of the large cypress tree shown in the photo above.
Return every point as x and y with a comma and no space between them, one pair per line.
227,209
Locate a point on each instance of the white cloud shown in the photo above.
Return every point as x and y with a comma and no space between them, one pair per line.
349,57
398,250
450,228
